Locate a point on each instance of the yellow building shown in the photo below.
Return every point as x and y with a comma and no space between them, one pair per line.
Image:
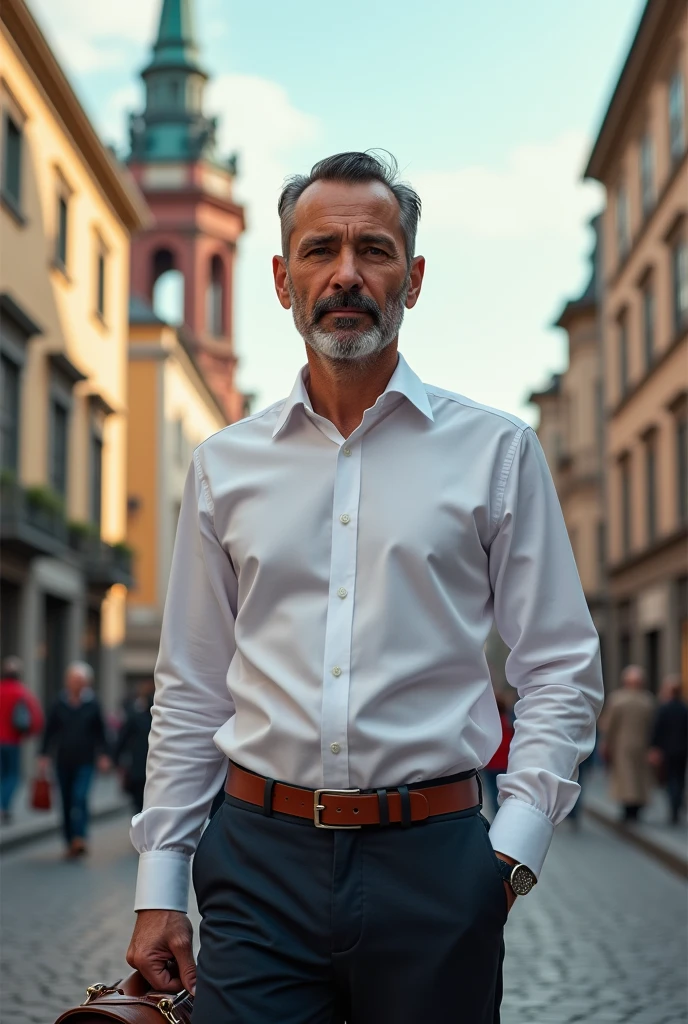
171,410
67,210
641,157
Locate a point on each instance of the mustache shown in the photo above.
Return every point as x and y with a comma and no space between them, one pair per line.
347,300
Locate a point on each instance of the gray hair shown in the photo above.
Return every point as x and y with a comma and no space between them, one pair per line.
353,168
82,668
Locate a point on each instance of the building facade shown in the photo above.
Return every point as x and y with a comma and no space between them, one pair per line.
189,188
172,409
641,157
571,431
66,214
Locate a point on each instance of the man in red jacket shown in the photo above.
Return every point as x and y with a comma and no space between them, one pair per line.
20,717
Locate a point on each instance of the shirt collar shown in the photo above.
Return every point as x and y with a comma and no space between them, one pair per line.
402,382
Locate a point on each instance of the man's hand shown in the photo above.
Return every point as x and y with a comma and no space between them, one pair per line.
510,894
104,764
161,936
43,765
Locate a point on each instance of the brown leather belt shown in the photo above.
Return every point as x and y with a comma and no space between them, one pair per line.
349,808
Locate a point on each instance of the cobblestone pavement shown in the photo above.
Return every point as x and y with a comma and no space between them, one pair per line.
602,939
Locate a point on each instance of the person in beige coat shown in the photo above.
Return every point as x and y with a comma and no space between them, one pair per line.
627,728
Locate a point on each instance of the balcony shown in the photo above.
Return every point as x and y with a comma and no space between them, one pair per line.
103,564
31,520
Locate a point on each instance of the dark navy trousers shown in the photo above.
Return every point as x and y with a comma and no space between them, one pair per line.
373,926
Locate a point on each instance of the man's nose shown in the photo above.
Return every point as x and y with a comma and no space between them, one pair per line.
346,276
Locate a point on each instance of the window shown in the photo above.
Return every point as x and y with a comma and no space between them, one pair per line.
682,468
179,445
622,226
601,550
215,298
100,283
652,659
9,414
61,236
651,487
649,325
59,420
11,169
677,114
679,273
625,471
623,356
96,479
647,174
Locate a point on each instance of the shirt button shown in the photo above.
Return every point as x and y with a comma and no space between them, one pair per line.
345,518
346,451
342,592
335,748
336,671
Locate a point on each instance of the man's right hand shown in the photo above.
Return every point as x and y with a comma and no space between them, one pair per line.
161,936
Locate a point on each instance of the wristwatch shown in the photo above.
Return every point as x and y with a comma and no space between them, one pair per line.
520,878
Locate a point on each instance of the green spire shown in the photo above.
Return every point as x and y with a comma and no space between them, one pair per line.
176,43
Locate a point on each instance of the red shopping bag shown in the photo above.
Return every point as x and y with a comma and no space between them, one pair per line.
41,795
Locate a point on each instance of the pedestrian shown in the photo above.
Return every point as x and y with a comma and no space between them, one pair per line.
131,749
669,744
338,562
626,725
75,739
21,717
500,760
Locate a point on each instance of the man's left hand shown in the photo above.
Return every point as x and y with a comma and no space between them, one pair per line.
510,894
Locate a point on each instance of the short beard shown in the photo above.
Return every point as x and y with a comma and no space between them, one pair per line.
346,343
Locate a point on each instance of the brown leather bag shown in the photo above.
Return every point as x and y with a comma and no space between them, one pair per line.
41,796
130,1002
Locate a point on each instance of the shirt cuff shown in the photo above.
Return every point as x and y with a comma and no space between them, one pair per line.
163,881
523,832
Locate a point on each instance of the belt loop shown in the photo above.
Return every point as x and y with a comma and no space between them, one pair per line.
480,790
383,803
267,796
405,806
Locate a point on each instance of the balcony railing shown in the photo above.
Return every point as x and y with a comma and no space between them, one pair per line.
33,523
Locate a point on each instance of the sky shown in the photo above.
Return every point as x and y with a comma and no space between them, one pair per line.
490,109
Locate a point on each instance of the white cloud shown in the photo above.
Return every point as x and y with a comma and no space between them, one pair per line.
537,193
258,120
96,35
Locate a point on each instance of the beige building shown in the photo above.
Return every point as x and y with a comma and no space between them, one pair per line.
571,432
641,157
66,214
172,409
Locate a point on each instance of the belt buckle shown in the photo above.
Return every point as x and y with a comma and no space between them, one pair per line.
318,808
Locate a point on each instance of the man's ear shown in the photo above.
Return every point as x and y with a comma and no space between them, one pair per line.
416,281
279,272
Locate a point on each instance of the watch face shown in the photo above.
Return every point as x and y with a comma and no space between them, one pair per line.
522,880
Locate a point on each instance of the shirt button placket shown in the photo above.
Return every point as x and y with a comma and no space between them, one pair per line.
340,609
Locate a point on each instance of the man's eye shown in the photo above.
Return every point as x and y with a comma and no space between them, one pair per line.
374,251
319,251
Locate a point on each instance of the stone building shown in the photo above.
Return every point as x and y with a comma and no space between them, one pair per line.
67,210
641,157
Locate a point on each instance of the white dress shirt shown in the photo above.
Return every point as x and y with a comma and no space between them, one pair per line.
327,610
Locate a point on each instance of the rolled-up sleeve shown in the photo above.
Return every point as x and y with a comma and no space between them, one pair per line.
185,768
554,663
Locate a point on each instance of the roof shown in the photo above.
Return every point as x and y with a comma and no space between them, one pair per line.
651,25
141,312
587,300
550,390
116,184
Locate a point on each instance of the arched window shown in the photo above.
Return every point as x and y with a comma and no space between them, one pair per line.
168,288
215,298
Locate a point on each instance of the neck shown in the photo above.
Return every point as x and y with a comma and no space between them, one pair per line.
342,391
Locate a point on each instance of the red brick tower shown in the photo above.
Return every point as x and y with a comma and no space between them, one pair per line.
189,190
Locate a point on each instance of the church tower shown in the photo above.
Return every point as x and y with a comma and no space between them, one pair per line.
192,241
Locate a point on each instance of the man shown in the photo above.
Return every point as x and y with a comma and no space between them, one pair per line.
132,742
626,727
75,738
669,744
339,558
21,717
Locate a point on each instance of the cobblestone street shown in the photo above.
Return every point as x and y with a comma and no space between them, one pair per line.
602,939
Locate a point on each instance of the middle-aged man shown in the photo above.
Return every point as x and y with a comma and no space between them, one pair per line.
339,560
